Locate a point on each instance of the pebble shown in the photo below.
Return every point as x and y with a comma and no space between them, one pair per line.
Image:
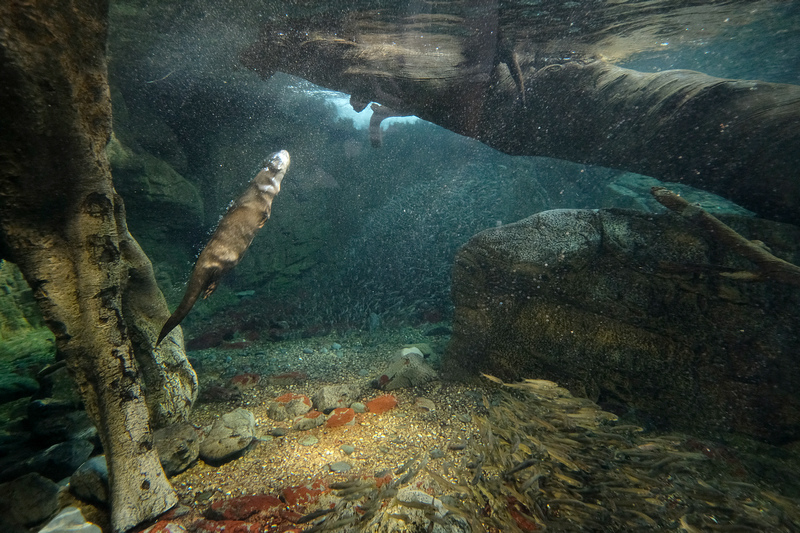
90,481
347,449
289,405
424,404
230,435
56,462
358,407
330,397
309,440
340,467
178,446
341,416
422,347
381,404
464,418
336,346
310,420
71,520
308,351
28,500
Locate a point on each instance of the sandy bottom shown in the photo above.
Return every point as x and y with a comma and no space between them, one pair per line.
381,441
487,457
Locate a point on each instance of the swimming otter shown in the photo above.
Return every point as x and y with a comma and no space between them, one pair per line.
232,237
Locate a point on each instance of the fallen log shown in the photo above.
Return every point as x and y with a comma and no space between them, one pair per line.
490,75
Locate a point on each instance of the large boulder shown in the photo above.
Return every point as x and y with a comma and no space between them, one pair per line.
640,310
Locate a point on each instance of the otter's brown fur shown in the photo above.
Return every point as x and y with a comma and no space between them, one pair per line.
232,237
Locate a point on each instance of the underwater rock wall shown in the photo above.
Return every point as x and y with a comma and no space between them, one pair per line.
19,314
634,310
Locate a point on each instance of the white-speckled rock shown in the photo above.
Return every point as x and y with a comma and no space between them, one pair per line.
70,520
408,369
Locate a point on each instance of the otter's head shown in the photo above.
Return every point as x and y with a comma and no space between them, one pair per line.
270,177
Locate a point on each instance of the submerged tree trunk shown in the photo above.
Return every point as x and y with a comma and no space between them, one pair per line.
64,225
506,76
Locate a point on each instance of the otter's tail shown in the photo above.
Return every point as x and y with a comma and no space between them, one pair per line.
200,282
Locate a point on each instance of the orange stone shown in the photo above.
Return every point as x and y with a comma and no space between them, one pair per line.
243,507
381,404
289,396
246,380
302,495
381,481
341,416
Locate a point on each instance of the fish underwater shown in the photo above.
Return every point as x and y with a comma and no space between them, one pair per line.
232,237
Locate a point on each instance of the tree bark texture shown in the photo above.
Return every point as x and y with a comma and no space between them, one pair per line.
64,225
525,87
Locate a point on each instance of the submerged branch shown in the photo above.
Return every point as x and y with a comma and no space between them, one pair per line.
769,266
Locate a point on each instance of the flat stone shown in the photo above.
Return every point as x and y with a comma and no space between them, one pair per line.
229,436
277,411
279,432
28,500
289,405
70,520
90,481
422,347
330,397
424,404
221,526
340,467
308,421
178,447
341,416
56,462
381,404
308,440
